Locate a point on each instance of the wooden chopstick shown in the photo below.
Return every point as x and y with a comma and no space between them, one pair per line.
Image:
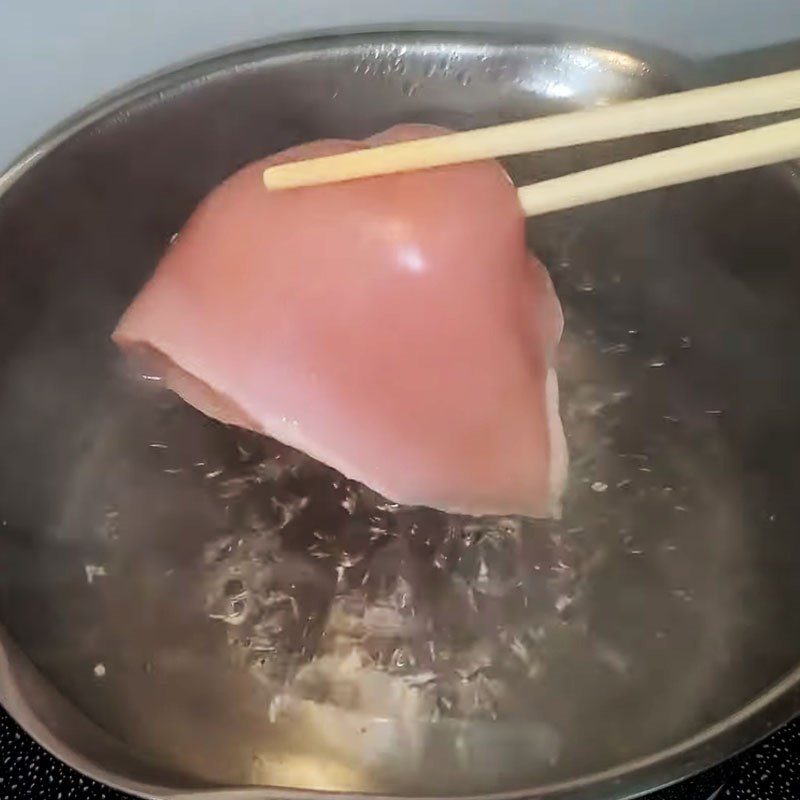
682,110
725,154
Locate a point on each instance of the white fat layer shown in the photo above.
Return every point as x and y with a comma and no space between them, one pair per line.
559,456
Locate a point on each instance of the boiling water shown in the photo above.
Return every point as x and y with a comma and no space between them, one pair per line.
299,629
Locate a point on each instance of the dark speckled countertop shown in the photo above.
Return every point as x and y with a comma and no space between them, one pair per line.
770,771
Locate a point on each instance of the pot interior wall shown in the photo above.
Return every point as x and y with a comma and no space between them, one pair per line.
164,574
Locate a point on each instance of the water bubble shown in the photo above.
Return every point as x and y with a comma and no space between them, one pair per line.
94,571
563,602
686,595
234,588
109,525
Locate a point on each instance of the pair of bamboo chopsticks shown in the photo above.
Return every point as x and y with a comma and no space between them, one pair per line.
739,151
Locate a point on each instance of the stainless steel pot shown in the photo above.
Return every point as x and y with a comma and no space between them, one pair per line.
189,610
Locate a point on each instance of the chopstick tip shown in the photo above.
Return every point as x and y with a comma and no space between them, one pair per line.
268,178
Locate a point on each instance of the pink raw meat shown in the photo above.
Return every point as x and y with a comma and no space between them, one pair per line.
395,328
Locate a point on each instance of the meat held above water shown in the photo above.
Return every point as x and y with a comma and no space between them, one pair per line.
395,328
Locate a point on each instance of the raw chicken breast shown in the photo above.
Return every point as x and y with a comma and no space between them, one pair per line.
395,328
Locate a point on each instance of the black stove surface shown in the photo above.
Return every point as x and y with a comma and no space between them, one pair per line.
768,771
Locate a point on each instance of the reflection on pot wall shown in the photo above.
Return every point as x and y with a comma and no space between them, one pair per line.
72,53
